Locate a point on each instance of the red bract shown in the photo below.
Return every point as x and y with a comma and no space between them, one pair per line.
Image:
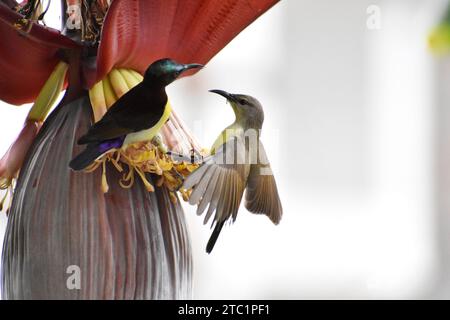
135,33
138,32
26,58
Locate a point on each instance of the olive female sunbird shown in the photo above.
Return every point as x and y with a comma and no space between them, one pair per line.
237,162
137,116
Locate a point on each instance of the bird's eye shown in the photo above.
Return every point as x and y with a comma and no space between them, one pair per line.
242,101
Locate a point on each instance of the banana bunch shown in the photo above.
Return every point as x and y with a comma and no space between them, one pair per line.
105,92
49,93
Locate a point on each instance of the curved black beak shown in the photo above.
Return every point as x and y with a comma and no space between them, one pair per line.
224,94
192,66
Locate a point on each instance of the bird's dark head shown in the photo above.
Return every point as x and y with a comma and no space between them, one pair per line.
165,71
246,108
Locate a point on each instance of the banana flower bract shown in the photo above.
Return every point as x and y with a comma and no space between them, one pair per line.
66,238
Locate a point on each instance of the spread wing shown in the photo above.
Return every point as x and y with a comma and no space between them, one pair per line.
261,196
219,182
131,113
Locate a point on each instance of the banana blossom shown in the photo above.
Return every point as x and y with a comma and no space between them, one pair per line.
127,243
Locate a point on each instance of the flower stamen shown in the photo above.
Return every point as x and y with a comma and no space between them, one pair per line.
105,186
143,158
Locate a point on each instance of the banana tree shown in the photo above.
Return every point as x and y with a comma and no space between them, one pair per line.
120,225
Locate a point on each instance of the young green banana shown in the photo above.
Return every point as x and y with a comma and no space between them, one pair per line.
49,93
118,83
130,79
98,102
110,96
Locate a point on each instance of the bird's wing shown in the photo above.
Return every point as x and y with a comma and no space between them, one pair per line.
105,129
131,113
220,182
261,195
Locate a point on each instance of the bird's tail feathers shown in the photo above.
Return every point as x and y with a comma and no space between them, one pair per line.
85,158
212,240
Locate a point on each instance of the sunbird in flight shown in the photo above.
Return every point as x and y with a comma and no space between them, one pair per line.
237,162
137,116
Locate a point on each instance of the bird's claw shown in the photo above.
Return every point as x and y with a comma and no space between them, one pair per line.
180,157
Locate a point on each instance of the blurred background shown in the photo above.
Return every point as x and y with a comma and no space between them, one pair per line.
358,132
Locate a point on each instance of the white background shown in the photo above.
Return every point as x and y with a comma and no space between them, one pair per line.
351,131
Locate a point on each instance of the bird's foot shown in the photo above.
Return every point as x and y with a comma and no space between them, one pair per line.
181,177
194,158
158,142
